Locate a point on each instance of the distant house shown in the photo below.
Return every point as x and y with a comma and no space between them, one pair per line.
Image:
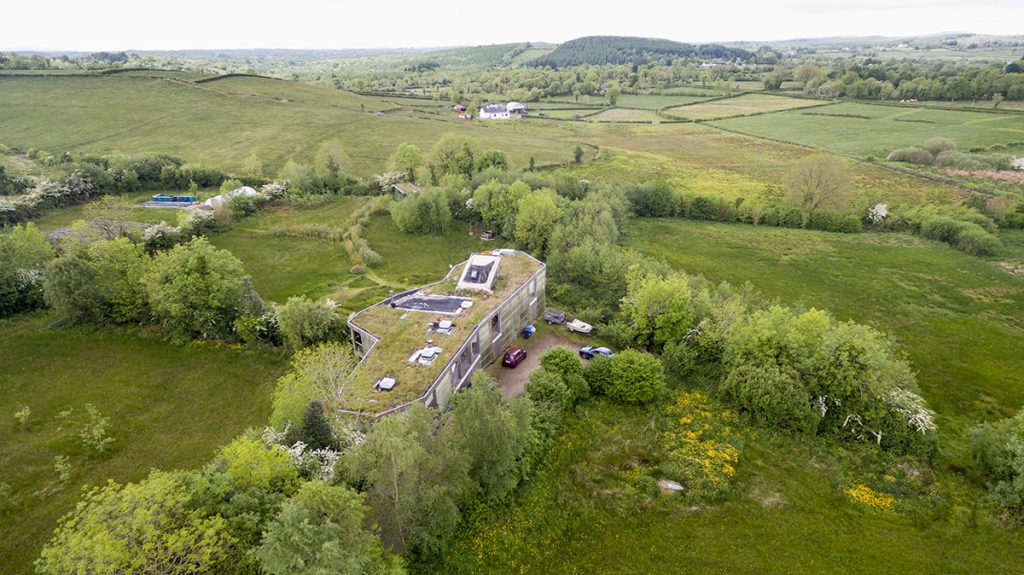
403,189
515,108
1018,163
494,112
459,108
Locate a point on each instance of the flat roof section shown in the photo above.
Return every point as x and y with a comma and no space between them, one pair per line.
433,303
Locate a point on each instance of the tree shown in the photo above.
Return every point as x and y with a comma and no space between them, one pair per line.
536,218
546,387
318,373
415,481
99,282
492,159
454,154
304,322
635,377
567,364
659,307
331,159
111,216
491,433
427,212
195,290
145,527
819,181
316,432
577,154
319,531
613,98
771,394
651,199
250,464
252,167
407,159
24,252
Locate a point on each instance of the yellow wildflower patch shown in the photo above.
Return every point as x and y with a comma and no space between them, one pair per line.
701,444
865,495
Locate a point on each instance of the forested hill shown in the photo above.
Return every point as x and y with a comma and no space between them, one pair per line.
624,50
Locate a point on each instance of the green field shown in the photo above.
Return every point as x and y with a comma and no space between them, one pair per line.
875,130
639,101
221,123
170,407
625,115
744,105
701,159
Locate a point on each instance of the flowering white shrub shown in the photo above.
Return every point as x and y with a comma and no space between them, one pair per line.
274,190
387,179
911,406
878,213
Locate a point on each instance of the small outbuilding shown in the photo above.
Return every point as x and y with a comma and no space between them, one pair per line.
515,108
404,189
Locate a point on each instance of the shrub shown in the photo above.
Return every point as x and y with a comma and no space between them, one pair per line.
262,328
713,208
567,364
598,373
304,322
636,377
997,453
650,199
24,251
548,388
195,290
771,395
936,146
912,155
99,282
975,241
423,213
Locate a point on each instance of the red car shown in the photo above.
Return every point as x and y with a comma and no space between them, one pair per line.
513,357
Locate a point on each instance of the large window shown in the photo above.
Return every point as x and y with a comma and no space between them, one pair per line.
496,326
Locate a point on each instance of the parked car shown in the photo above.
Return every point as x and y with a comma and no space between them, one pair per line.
589,351
513,357
580,327
552,315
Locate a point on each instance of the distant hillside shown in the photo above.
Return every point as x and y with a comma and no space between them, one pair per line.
624,50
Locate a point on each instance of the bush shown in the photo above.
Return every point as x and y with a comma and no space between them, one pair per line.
304,322
912,155
195,290
966,236
24,251
260,328
598,373
713,208
99,282
635,377
936,146
567,364
653,200
546,387
423,213
997,452
771,395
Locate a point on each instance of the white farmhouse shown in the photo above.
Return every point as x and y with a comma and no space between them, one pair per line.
494,112
515,108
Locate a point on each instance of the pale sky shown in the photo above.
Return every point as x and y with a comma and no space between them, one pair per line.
92,25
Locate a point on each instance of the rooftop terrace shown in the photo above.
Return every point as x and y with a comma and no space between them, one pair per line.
405,328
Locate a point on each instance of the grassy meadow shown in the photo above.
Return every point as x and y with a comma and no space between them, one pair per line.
169,407
875,130
743,105
221,123
700,159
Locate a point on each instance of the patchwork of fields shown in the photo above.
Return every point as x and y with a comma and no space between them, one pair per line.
864,130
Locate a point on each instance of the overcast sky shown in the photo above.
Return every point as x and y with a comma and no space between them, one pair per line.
180,24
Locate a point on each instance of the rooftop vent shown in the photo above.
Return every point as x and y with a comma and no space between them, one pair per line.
425,356
385,384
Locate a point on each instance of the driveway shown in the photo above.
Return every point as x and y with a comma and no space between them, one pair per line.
512,382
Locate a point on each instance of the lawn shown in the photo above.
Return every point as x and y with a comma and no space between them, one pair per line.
639,101
413,260
169,408
283,265
865,130
743,105
62,217
959,318
223,122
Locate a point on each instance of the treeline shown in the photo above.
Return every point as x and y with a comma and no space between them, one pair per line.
874,79
598,50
